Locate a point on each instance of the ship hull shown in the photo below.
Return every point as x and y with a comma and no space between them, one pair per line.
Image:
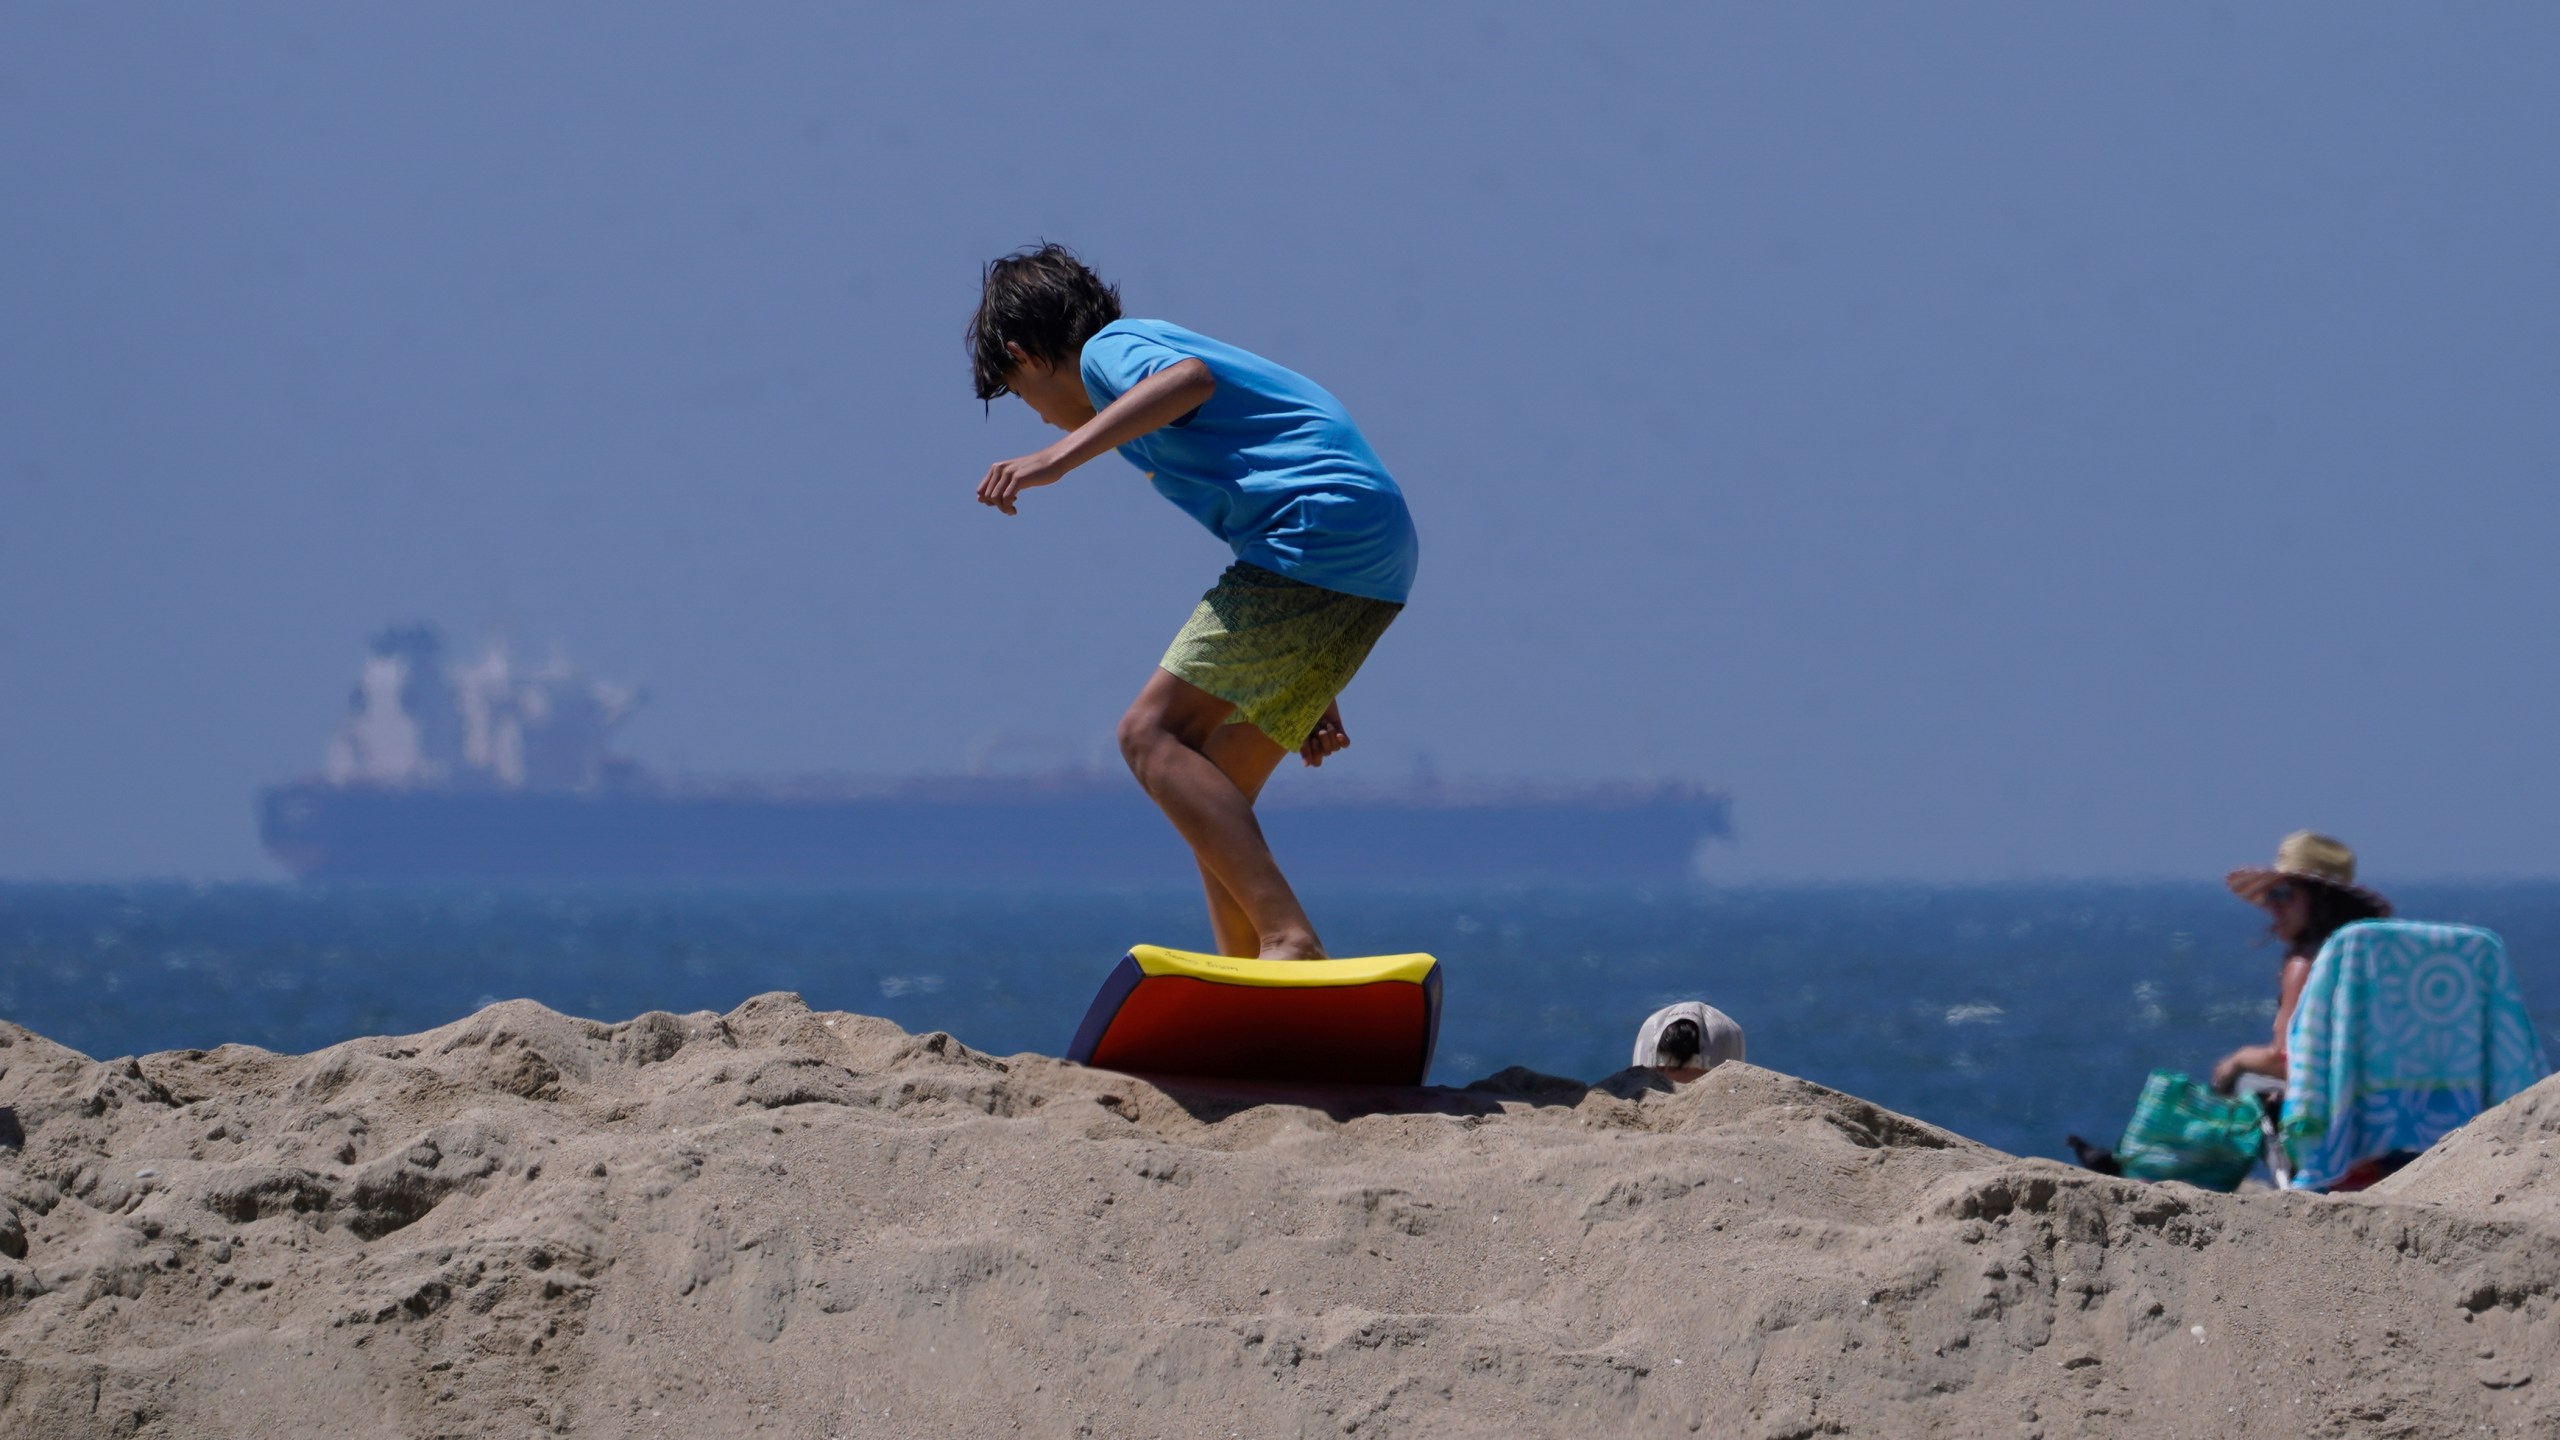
962,831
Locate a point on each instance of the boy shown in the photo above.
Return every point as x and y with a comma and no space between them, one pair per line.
1273,466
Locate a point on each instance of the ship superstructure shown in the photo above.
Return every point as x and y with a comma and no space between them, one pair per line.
415,722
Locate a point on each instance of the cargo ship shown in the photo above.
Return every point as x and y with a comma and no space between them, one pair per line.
482,770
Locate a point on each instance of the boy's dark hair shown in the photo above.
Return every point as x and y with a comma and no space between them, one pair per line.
1678,1046
1043,299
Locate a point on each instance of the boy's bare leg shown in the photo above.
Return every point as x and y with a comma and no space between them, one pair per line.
1165,737
1232,928
1246,756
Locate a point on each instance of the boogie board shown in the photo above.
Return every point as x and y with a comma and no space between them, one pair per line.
1369,1021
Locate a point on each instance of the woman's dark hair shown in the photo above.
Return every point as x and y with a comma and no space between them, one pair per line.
1043,299
2331,909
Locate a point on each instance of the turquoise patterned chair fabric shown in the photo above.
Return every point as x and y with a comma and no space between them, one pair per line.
2403,1033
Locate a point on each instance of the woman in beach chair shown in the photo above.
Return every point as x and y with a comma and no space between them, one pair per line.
2389,1035
2181,1131
2309,894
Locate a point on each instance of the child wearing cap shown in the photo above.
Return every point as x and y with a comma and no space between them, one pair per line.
1686,1040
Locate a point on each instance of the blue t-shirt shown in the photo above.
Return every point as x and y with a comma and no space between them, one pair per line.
1271,463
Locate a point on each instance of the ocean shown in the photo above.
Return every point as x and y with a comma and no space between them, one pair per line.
2012,1014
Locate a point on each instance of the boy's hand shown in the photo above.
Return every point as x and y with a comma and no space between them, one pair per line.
1148,406
1327,737
1007,479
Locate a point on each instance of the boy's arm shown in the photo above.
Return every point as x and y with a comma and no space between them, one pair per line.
1148,406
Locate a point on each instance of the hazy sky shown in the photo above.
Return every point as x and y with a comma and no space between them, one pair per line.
1992,440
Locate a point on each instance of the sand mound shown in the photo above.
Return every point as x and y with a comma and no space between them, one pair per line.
775,1222
2502,1162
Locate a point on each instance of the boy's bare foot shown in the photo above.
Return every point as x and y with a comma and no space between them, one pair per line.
1302,945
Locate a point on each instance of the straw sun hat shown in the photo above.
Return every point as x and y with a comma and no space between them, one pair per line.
2304,855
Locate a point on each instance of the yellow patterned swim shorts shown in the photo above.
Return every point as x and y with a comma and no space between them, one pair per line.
1279,649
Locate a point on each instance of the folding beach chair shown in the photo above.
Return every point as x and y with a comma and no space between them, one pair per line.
2403,1033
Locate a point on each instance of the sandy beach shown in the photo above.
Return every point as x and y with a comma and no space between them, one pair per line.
790,1223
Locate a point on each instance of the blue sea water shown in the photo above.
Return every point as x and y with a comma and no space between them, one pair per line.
2011,1014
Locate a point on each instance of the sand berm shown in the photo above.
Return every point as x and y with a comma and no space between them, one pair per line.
788,1223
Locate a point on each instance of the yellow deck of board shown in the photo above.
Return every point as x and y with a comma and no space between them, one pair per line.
1284,974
